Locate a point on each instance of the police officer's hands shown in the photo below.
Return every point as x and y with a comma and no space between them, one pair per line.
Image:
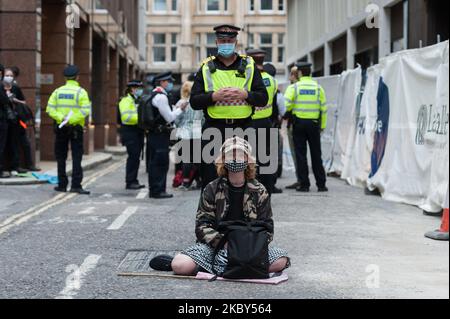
235,94
230,94
220,95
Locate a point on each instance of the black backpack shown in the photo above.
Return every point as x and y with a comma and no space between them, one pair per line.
248,249
147,119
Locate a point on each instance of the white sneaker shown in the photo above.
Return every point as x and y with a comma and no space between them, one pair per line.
183,188
14,173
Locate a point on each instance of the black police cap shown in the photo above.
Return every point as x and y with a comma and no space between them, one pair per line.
166,76
71,71
135,83
304,65
226,31
253,52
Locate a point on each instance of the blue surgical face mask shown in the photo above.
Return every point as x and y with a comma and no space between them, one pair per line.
169,87
139,93
227,49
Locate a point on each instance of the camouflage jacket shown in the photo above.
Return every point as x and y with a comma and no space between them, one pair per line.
214,207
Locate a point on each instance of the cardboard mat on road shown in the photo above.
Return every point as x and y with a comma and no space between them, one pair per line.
137,264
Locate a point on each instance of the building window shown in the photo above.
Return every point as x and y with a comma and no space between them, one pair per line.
159,5
175,5
252,5
213,5
198,47
211,48
281,5
266,44
225,5
159,47
281,48
266,5
173,49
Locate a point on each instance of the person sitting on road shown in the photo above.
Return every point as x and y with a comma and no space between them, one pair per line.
236,195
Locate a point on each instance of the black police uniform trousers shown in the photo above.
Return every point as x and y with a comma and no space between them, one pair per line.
268,180
133,139
307,132
208,171
3,141
72,135
158,157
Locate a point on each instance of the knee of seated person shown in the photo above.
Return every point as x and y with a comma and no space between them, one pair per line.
181,265
279,265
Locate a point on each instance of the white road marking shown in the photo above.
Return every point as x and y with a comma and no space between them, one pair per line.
87,211
142,194
77,275
120,221
21,218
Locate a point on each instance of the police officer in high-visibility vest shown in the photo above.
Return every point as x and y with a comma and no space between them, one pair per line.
306,101
262,120
228,88
69,106
132,136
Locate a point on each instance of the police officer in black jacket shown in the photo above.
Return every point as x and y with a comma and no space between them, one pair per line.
224,95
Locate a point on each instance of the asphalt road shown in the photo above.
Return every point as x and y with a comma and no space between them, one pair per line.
343,244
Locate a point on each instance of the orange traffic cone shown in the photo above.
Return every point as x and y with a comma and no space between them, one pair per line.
441,234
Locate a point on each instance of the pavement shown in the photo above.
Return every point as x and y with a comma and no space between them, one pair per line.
49,168
342,244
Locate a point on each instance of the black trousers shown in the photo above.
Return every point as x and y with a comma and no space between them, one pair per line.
12,146
307,132
3,141
268,180
158,166
72,135
133,139
208,172
24,143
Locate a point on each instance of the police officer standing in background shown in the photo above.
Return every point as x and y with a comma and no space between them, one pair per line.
307,102
132,136
262,119
158,139
69,106
227,88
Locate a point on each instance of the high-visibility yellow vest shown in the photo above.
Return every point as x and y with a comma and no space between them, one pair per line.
69,98
128,111
216,79
272,88
306,100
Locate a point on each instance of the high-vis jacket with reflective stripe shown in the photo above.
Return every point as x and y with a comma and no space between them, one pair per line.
70,97
128,111
214,81
272,88
306,99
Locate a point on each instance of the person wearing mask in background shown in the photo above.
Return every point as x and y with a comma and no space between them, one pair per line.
158,138
18,137
69,106
262,120
4,105
16,72
227,88
277,121
306,101
131,135
189,131
293,78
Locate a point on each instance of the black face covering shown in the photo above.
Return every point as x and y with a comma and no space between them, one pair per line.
259,60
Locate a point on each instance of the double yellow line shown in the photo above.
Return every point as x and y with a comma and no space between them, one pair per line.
23,217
